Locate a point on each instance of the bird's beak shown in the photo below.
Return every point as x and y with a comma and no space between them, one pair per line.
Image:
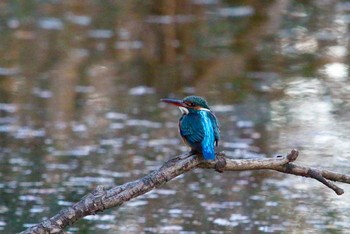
174,102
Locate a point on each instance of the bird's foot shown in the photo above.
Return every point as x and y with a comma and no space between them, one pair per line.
220,163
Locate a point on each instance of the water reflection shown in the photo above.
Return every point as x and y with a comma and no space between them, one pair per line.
337,71
79,107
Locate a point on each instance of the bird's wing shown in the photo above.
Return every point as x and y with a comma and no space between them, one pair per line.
191,128
216,127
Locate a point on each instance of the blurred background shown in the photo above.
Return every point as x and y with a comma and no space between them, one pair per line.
80,83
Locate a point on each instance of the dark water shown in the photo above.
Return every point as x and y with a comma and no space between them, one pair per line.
80,84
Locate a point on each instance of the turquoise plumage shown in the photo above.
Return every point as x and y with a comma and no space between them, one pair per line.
198,126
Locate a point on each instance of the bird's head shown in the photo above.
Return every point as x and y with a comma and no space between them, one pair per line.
188,104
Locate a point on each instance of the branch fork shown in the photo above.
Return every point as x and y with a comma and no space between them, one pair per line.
101,199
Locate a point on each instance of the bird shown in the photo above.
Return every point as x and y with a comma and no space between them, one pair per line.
198,126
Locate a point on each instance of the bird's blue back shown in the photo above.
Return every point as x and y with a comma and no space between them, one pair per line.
200,130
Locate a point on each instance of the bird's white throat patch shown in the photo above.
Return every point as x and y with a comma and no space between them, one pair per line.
183,110
204,109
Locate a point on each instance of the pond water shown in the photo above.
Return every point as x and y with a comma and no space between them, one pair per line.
80,84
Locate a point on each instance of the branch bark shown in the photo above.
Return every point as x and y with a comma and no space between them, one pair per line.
101,199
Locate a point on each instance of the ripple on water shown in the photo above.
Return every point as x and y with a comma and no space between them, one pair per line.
42,190
111,173
116,116
78,151
236,145
221,205
42,93
165,192
100,33
141,90
163,142
27,132
86,181
169,19
171,228
222,108
10,108
36,209
337,71
7,128
81,88
242,11
243,153
7,120
20,161
128,45
78,127
245,124
4,71
100,218
31,198
51,23
136,203
62,166
225,222
31,184
205,2
143,123
82,20
65,203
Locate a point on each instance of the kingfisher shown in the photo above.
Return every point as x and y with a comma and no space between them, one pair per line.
198,125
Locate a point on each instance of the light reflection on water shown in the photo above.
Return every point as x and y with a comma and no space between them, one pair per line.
79,107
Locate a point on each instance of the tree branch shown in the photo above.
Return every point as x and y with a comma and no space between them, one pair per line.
101,199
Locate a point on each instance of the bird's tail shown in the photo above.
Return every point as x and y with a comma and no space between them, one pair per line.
208,153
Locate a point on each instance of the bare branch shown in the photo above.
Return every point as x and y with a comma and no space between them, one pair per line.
101,199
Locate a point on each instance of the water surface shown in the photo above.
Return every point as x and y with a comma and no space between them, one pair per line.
80,85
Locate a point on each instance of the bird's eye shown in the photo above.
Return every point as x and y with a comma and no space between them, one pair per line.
191,104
